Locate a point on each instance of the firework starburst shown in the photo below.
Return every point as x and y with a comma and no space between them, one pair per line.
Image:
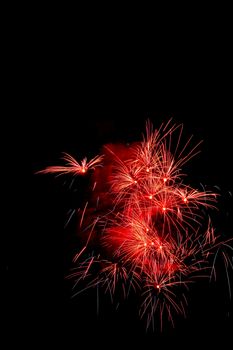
146,230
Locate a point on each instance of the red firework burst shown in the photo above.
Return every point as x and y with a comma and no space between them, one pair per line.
143,228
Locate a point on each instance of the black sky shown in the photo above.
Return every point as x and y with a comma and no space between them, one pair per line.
72,85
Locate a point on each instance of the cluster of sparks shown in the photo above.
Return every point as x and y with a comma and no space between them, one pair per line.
143,229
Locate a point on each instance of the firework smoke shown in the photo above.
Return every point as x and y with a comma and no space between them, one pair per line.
144,230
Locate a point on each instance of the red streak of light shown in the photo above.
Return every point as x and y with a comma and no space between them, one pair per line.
81,221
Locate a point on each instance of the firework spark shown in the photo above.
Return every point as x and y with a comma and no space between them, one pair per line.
72,166
145,229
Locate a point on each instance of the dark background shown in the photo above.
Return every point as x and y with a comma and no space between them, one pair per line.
71,85
47,248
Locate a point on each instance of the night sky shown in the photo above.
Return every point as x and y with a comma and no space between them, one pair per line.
43,295
71,86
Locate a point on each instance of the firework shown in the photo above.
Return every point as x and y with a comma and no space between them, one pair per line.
143,229
72,166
